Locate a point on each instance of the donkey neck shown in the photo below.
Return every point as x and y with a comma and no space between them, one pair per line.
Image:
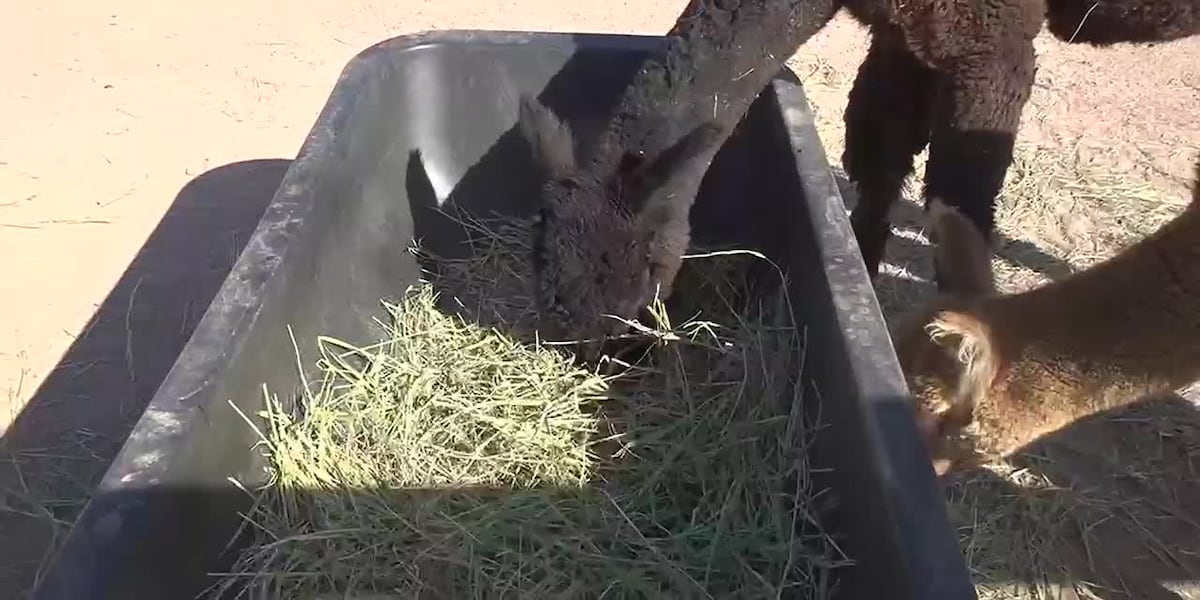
717,61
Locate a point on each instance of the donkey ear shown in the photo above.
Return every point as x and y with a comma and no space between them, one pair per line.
550,139
652,175
970,341
962,256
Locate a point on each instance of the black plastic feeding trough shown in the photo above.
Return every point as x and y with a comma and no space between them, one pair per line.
334,242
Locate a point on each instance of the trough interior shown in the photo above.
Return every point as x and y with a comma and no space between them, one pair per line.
417,123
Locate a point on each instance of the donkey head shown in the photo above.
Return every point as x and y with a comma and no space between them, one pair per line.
945,351
606,242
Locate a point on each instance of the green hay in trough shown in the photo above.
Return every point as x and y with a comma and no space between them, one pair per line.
451,460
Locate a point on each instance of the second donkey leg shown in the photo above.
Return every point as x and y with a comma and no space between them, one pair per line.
888,120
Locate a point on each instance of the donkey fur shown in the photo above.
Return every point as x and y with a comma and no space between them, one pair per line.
1016,367
951,74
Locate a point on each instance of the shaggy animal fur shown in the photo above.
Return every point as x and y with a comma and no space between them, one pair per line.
951,74
720,55
927,81
580,281
1105,22
601,252
992,373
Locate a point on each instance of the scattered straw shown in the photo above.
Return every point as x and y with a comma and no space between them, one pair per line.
1104,509
1065,215
454,461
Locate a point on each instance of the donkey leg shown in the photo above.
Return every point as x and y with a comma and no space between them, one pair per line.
975,129
888,120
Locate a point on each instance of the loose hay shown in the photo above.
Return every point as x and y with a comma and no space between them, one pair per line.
454,461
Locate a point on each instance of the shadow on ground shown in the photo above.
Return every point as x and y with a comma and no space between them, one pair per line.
1112,500
60,445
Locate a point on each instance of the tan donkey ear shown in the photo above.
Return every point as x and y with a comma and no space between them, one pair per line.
968,339
961,253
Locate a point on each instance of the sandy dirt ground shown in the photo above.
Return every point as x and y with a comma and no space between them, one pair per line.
126,124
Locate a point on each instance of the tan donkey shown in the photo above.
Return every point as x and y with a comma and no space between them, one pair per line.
991,373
